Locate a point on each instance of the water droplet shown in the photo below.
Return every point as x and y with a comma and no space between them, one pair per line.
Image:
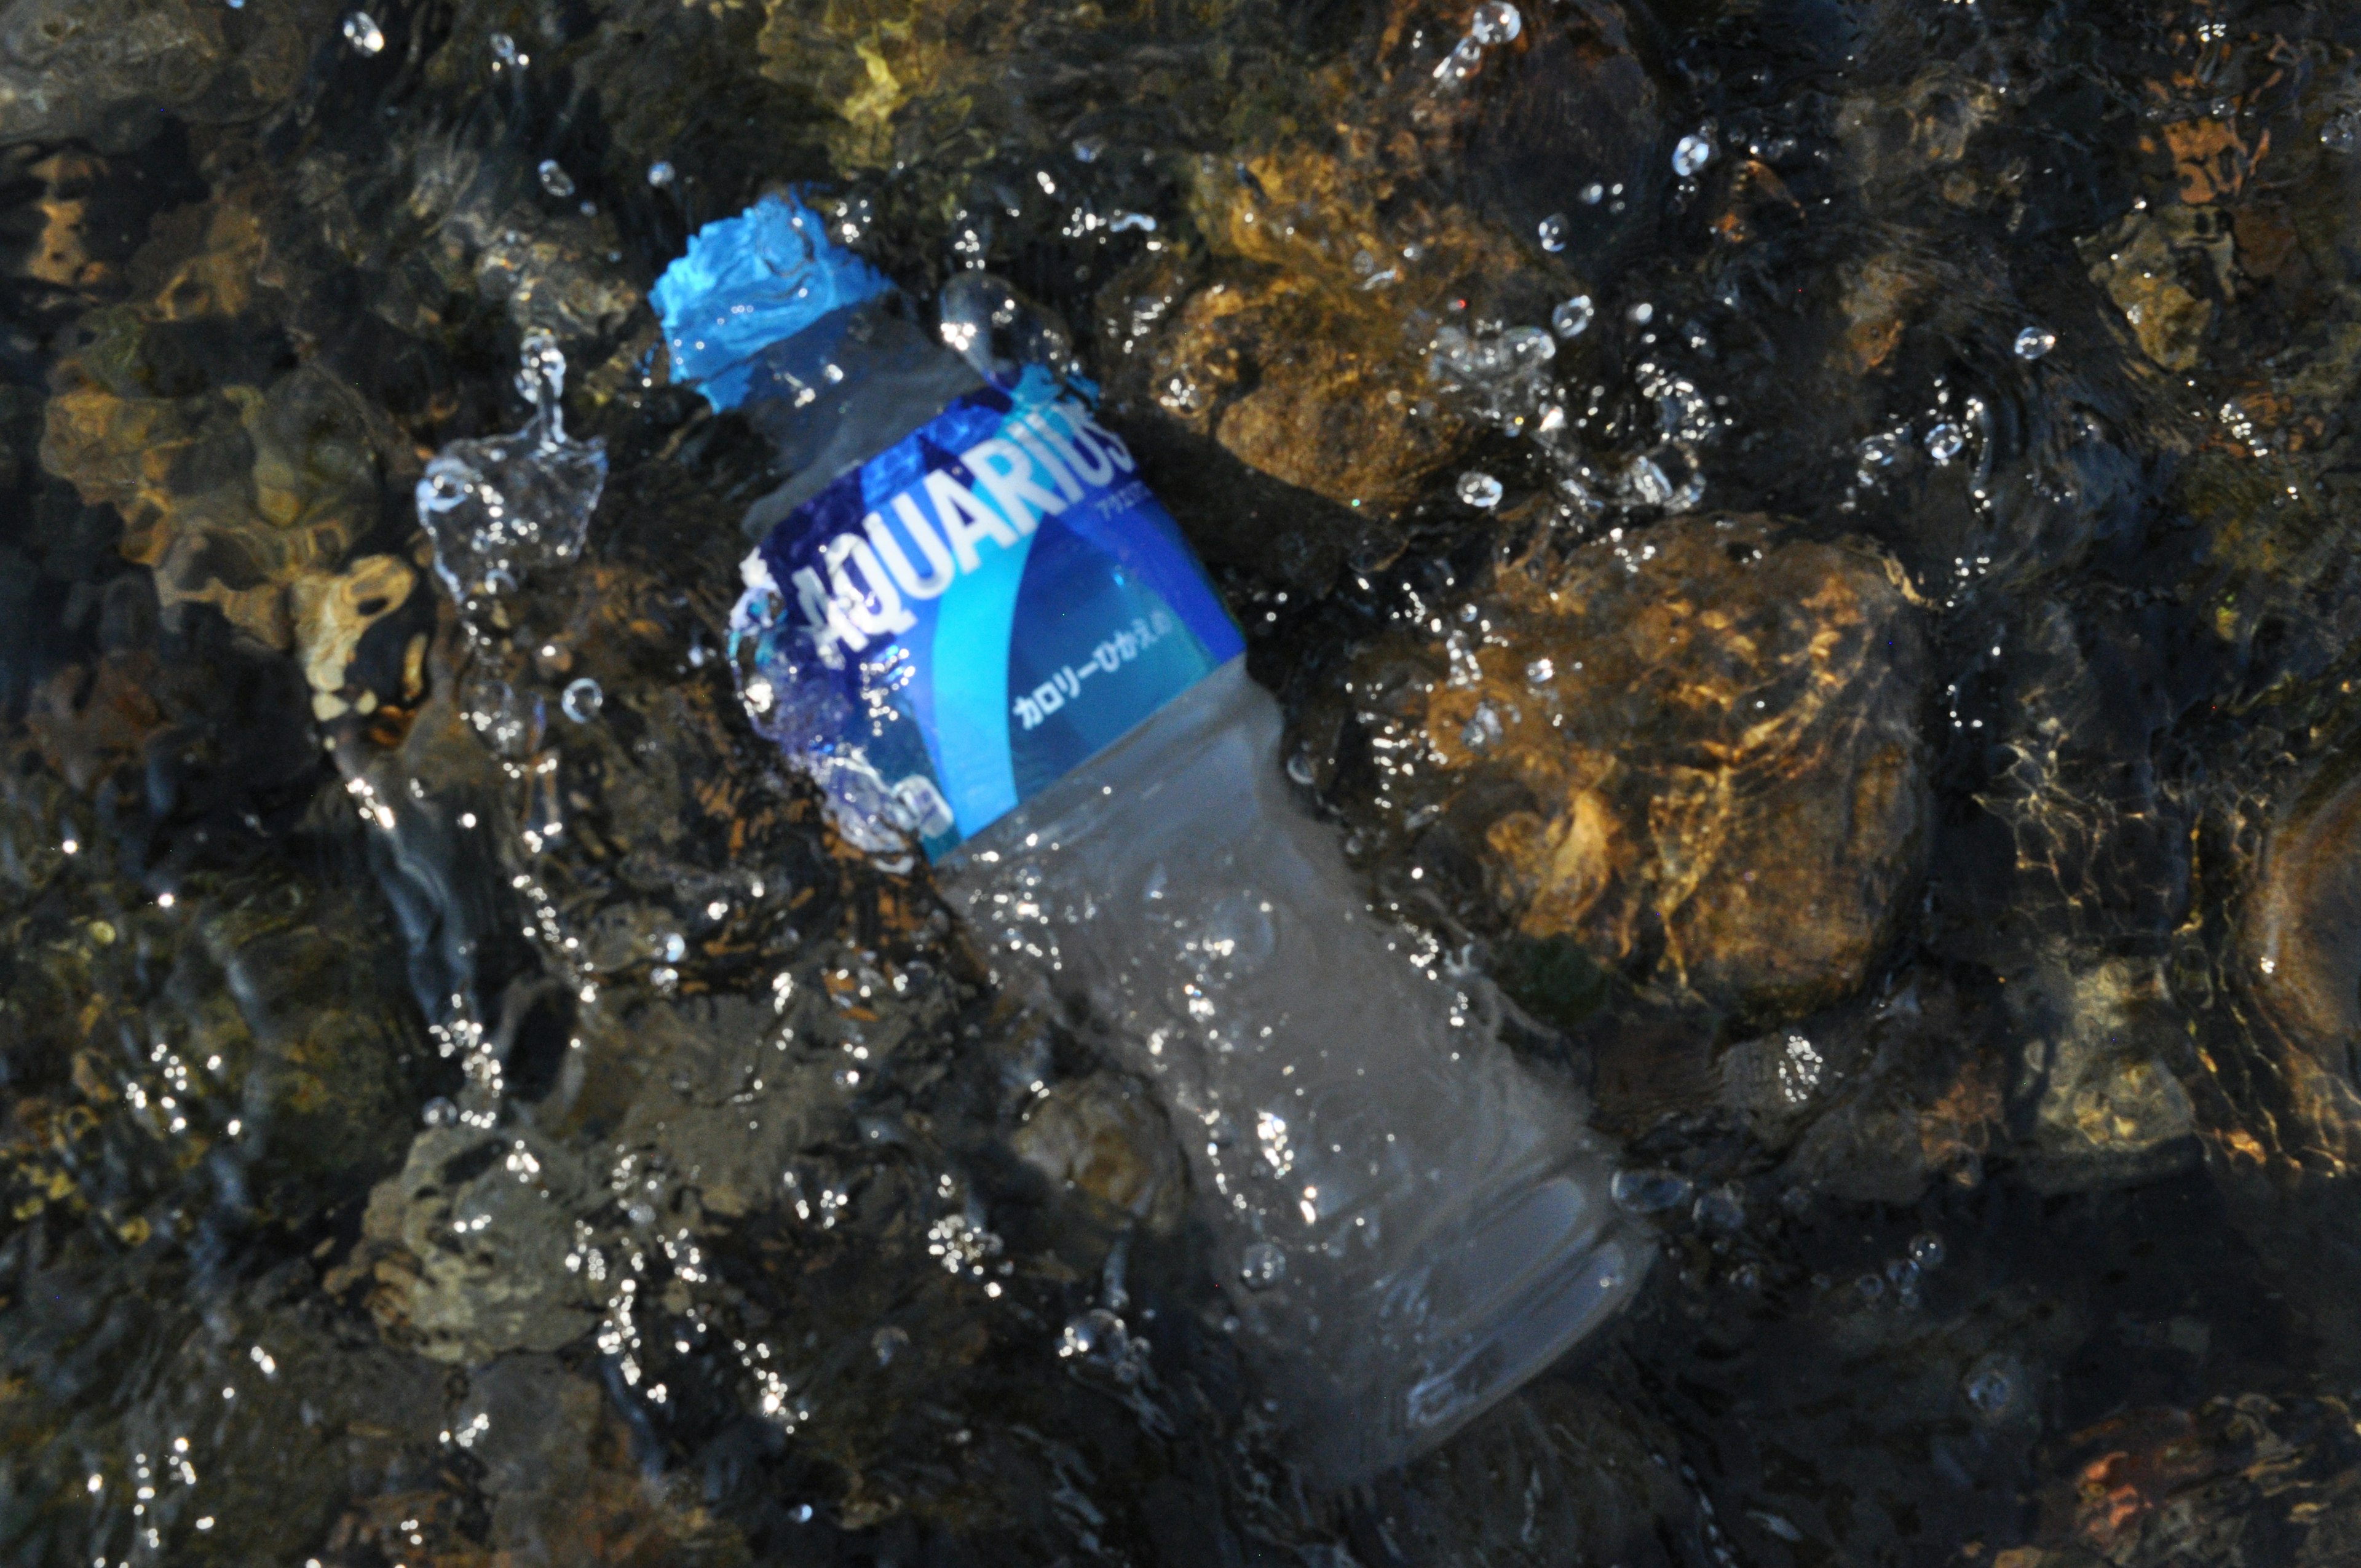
1096,1336
1553,232
1593,193
582,700
1298,768
660,173
665,980
1870,1288
504,51
1479,489
1640,315
1087,149
554,180
1573,317
1649,1191
1263,1265
1945,441
2034,342
1461,63
1693,152
363,34
889,1343
1901,1272
1541,672
1926,1250
673,946
1529,347
1496,22
1643,482
1482,731
1880,450
2342,133
440,1112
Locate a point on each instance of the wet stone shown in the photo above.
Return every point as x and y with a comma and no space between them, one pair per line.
1727,790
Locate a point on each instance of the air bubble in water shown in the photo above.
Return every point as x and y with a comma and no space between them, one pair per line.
1649,1191
1553,232
660,173
1479,489
1926,1250
1945,441
673,947
1088,149
1990,1387
1693,152
2034,342
582,700
1573,317
363,34
1263,1265
1496,22
440,1112
889,1343
1529,347
1098,1338
554,180
504,51
1298,768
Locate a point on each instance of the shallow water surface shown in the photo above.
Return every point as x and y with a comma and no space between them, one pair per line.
1803,548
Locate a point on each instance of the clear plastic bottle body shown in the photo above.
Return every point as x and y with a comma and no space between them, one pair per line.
1411,1224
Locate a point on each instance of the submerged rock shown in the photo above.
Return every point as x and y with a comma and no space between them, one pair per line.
468,1246
2098,1044
1712,729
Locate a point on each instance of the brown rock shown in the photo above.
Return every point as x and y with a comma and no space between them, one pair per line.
2162,269
1105,1138
1715,727
2300,950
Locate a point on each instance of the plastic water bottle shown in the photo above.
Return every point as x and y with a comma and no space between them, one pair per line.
972,624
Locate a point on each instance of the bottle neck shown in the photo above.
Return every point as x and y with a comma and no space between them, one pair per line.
843,389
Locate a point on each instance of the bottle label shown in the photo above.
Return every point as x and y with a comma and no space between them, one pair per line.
990,602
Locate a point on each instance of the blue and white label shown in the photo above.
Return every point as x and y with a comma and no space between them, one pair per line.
973,613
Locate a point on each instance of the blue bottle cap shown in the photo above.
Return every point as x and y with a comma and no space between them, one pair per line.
748,282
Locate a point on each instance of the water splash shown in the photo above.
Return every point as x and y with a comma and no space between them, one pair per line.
501,508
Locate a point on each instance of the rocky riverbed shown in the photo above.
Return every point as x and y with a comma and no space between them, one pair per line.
1803,549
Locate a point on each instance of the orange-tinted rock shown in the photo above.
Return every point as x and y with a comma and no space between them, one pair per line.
1717,727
